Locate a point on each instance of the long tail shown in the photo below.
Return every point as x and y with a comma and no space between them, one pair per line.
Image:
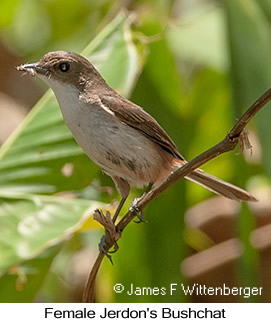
220,187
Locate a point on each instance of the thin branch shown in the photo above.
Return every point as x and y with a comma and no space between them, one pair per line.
226,145
88,295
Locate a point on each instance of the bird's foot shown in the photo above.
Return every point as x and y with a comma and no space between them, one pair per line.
136,210
111,236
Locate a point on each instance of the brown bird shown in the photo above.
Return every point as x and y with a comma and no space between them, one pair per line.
119,136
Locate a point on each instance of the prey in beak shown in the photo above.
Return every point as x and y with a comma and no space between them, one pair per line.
32,69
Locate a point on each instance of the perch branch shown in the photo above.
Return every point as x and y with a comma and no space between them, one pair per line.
226,145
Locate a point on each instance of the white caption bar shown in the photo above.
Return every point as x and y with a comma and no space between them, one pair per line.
126,312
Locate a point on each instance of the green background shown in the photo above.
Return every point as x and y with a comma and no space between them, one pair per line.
195,66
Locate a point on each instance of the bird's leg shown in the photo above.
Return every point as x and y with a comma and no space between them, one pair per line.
111,235
124,190
118,209
148,188
134,209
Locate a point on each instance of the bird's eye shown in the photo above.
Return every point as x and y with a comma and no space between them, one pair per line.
64,67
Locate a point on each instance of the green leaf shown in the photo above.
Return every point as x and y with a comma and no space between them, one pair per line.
22,282
34,158
31,223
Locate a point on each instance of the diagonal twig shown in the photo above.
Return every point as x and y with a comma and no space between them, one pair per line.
226,145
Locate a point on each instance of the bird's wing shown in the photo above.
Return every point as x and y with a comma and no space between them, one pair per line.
134,116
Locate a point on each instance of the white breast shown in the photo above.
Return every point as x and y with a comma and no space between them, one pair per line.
116,147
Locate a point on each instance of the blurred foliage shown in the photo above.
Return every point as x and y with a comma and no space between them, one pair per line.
250,47
184,62
60,24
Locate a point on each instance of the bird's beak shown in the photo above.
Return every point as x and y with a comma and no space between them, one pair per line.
32,69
